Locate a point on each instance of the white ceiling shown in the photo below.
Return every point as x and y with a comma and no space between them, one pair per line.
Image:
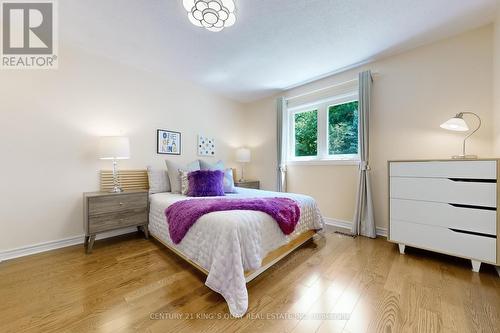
274,45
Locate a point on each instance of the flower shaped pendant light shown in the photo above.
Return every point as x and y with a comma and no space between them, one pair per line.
214,15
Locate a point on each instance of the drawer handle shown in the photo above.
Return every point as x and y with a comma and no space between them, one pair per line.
472,233
121,203
471,206
469,180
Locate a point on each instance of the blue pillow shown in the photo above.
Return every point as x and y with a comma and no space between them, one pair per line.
209,166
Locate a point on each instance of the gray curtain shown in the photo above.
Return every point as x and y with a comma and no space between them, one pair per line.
363,222
281,144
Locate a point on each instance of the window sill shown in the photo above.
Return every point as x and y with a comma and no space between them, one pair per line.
324,162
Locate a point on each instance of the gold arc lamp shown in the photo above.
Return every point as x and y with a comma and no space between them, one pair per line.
458,124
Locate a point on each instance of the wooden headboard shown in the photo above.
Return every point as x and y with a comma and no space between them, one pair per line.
130,179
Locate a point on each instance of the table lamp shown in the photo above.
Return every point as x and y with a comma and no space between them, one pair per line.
114,148
243,156
458,123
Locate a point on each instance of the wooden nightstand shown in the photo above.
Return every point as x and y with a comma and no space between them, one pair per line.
255,184
105,211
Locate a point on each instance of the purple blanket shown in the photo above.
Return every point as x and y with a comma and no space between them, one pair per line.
182,215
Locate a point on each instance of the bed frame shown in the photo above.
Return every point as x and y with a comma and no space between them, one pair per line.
272,257
138,180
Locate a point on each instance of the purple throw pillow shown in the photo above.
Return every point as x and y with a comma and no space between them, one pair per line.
206,183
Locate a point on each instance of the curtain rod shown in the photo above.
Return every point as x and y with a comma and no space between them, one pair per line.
374,74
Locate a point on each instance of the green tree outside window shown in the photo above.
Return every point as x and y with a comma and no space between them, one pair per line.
306,133
343,129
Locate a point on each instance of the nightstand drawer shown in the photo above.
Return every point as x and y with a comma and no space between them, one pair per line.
112,221
117,203
248,184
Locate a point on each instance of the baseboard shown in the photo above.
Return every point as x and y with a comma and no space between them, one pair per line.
57,244
348,225
52,245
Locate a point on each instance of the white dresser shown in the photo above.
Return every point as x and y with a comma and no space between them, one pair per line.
447,206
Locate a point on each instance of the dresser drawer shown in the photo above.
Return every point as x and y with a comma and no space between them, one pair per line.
445,169
112,221
444,240
117,203
445,215
444,190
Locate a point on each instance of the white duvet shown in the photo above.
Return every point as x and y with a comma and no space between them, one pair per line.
228,243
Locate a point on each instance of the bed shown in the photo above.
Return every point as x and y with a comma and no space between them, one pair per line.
233,247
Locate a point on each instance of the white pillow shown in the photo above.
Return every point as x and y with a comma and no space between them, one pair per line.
158,180
174,176
228,181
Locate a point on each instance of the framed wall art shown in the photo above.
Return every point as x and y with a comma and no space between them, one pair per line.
206,146
168,142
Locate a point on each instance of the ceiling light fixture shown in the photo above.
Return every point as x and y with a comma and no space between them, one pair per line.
213,15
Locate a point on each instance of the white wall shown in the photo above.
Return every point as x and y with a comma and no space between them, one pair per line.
49,123
50,120
496,79
414,93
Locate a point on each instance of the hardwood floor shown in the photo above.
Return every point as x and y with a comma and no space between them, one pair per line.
130,284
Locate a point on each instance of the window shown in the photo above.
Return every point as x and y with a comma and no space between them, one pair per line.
325,131
306,133
343,129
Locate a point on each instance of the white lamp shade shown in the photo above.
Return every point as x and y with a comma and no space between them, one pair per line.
243,155
114,147
455,124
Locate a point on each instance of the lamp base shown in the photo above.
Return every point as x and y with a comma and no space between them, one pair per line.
116,182
464,157
116,189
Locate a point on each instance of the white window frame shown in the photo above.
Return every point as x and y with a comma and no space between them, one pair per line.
322,157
